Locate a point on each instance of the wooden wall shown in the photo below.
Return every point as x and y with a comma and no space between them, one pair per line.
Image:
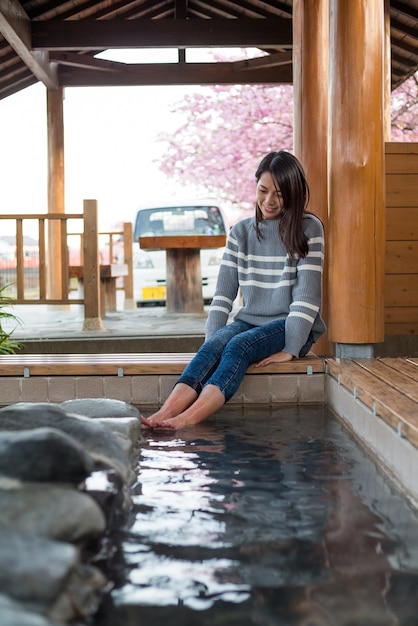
401,265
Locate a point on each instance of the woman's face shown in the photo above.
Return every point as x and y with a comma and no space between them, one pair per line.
268,197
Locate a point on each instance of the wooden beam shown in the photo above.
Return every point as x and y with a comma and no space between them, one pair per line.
85,61
176,74
15,26
270,60
165,33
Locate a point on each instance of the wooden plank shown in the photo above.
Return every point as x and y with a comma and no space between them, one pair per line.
401,329
146,32
401,190
401,147
391,376
401,257
406,163
402,223
128,357
166,242
402,315
405,366
112,270
36,216
401,290
393,407
130,364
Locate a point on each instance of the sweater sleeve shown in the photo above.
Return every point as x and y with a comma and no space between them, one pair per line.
305,306
226,287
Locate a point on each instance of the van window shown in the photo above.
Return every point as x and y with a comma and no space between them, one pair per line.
179,220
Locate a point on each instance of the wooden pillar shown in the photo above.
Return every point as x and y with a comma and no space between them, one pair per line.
55,126
310,89
128,281
356,176
387,87
91,268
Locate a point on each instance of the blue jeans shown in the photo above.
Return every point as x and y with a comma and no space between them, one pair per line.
224,358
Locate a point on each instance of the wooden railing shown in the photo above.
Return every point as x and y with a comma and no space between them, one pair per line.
35,274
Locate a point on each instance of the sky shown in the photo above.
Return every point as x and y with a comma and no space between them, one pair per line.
110,143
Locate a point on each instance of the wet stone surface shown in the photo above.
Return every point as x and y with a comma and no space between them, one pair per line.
265,518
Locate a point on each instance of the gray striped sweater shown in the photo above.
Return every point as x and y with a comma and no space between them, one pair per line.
273,286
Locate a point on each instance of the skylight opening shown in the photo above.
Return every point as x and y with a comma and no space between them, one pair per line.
170,55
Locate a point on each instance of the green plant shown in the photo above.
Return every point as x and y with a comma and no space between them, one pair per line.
7,344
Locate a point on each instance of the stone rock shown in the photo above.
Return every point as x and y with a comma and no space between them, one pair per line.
13,614
82,595
33,569
43,455
128,427
48,510
111,494
106,447
100,407
46,577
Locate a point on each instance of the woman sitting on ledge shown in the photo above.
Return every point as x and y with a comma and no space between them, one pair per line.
276,261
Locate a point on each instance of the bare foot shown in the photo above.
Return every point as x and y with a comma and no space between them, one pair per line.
167,425
153,421
162,423
175,423
178,401
210,400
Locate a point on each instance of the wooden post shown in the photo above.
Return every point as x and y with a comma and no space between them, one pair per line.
91,268
310,89
184,274
184,281
356,176
55,124
128,281
387,87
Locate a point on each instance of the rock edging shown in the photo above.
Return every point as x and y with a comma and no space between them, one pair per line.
66,473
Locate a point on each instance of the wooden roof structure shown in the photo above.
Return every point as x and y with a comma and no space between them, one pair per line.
56,41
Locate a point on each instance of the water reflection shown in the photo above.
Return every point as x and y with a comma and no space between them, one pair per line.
265,519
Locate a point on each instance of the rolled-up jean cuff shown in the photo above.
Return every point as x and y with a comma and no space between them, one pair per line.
190,382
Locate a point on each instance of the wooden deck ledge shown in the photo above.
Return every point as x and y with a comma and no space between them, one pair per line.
387,386
27,365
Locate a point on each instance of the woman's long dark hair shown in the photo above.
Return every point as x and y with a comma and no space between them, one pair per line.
289,178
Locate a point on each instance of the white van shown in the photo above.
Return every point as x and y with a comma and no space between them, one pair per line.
202,217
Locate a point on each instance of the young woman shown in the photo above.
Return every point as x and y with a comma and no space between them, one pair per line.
276,261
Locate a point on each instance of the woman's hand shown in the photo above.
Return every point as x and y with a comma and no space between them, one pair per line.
278,357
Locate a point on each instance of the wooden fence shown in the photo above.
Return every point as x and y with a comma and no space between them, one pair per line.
100,262
401,269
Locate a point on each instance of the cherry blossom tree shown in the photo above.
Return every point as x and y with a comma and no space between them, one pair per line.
404,111
225,130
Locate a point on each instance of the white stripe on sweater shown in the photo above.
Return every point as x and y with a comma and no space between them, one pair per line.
304,316
269,285
307,305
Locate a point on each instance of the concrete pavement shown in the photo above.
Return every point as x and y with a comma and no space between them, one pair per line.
44,329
